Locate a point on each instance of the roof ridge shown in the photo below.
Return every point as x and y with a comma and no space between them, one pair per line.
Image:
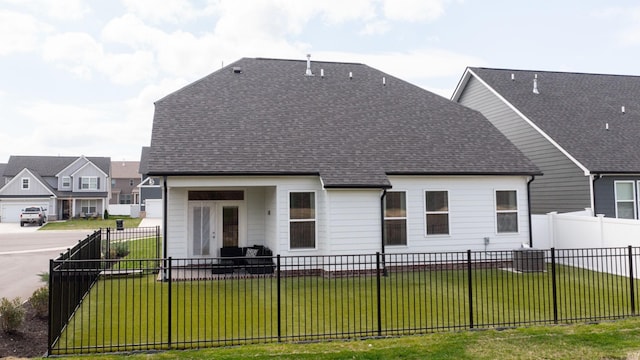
553,71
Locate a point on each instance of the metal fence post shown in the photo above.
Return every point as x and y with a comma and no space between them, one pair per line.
278,300
49,330
378,293
169,305
470,281
632,291
554,285
108,245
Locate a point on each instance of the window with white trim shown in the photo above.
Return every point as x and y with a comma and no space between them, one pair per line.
302,220
625,200
26,183
395,218
89,183
66,182
437,212
506,211
89,206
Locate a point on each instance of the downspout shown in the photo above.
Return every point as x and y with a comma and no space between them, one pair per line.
533,177
382,228
164,218
593,192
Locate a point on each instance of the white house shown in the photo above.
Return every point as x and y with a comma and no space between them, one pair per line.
331,158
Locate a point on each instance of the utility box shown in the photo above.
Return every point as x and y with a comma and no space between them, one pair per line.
528,260
119,224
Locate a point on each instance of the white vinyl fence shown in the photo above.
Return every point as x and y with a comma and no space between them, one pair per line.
584,231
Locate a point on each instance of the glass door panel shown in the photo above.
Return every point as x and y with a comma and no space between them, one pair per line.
230,226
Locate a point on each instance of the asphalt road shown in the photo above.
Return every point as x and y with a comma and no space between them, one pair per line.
25,252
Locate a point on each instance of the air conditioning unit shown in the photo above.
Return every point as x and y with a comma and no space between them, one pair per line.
528,260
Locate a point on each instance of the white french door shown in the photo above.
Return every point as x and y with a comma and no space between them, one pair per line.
214,224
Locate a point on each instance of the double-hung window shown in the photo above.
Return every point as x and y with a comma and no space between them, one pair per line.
89,206
66,182
395,218
89,183
302,220
625,200
437,212
26,183
506,211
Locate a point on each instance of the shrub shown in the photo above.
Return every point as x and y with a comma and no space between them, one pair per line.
106,214
11,314
40,301
118,250
44,277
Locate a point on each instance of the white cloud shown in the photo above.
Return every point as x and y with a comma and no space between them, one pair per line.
172,11
413,10
76,52
376,28
65,9
19,32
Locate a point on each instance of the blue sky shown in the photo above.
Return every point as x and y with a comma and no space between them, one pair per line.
80,77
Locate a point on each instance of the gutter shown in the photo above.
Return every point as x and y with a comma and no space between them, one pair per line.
533,177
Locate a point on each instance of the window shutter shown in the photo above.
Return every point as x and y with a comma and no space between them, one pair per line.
79,182
98,185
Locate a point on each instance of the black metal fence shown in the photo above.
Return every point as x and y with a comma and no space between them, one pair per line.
76,271
194,303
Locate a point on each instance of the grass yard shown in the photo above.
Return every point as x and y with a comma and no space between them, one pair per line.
132,313
91,224
606,340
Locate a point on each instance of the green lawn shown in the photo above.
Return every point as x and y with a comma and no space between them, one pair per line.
132,313
91,224
606,340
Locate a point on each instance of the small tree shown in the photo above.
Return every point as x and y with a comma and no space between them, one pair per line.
106,214
11,314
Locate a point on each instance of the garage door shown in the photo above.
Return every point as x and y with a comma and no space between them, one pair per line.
10,211
153,207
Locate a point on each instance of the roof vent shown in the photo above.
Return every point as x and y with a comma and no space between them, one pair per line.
535,84
384,81
606,126
513,76
622,109
322,73
237,69
308,72
350,75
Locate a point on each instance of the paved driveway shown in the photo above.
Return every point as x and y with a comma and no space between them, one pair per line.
25,252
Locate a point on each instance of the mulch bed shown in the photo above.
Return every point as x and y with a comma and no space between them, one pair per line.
29,341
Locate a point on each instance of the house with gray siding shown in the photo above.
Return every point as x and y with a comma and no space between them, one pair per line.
580,129
317,158
65,186
149,189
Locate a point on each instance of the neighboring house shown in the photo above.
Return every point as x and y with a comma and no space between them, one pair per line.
66,186
331,158
150,189
581,130
124,182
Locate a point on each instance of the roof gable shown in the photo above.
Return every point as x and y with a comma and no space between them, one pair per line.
31,175
352,126
47,166
581,112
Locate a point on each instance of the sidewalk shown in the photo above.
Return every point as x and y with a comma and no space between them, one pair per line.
150,222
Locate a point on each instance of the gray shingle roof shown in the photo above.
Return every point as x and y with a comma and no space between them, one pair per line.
574,110
49,165
272,119
144,159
